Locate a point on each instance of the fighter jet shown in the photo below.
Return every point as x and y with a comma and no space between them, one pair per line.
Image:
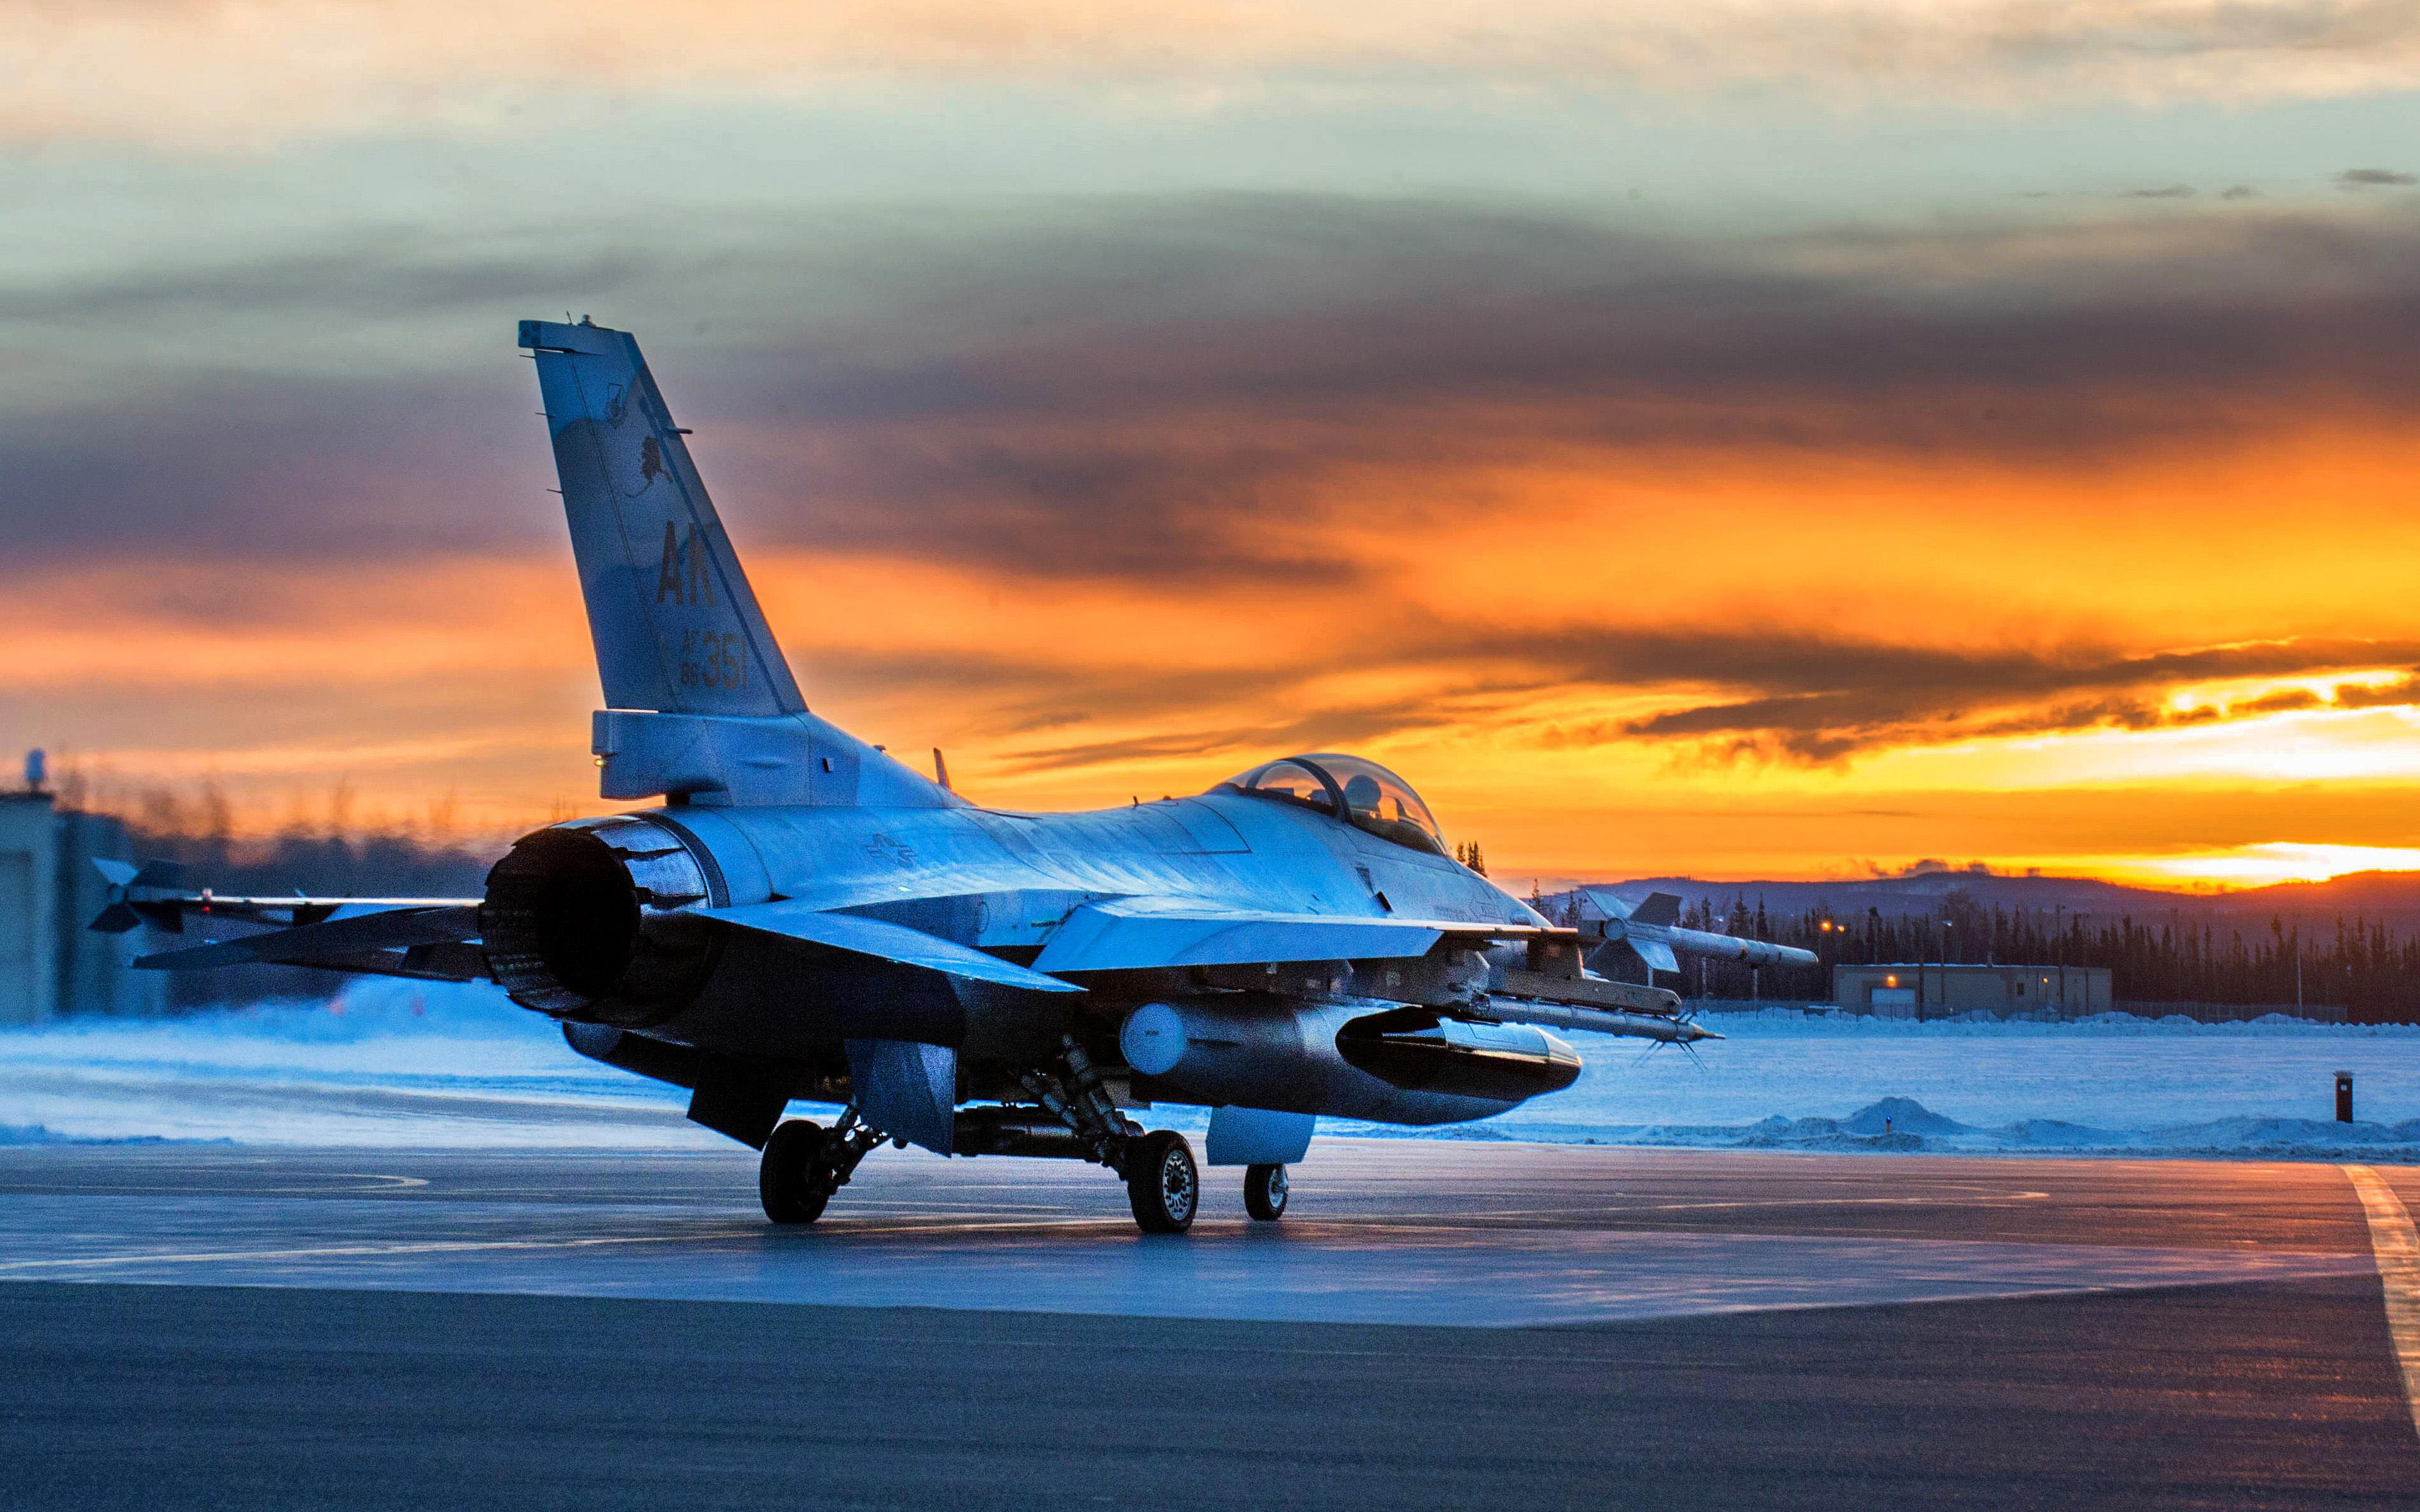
797,915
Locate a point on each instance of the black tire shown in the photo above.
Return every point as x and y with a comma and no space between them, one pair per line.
1162,1183
1264,1192
790,1177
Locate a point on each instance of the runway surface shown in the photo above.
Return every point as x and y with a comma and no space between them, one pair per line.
1432,1325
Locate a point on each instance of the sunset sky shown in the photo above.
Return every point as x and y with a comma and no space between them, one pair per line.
1741,439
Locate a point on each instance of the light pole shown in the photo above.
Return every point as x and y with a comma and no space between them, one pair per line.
1920,987
2058,940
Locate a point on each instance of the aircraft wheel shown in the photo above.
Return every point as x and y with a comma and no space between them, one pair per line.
1162,1182
1264,1192
789,1178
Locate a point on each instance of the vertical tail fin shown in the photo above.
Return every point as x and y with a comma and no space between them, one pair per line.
675,624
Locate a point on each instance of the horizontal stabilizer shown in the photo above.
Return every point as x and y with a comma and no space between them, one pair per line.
157,893
1139,934
335,942
885,942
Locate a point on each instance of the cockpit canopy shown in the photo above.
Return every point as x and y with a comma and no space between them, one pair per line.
1365,792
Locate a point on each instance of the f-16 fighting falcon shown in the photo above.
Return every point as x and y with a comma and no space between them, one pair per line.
802,917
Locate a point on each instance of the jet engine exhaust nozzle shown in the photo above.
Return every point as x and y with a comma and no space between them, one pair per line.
588,921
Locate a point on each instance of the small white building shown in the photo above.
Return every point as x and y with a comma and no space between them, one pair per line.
51,964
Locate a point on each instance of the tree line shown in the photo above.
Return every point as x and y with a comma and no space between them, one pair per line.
2368,967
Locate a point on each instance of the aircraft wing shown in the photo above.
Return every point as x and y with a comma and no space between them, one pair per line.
884,941
1140,934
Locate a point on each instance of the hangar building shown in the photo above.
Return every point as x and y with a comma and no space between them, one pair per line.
1921,990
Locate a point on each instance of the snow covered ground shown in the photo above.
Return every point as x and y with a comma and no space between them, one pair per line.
1786,1079
387,1063
394,1063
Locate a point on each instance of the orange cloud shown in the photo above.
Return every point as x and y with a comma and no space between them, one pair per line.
1512,661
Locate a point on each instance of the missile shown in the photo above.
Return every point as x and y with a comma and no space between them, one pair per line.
1594,1020
1652,930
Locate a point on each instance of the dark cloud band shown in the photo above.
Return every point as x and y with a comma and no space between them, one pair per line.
1212,388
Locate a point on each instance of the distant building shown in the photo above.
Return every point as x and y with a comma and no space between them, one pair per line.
50,964
1903,990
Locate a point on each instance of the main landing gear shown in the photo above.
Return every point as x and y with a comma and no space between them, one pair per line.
804,1164
1071,1118
1264,1192
1162,1185
1165,1189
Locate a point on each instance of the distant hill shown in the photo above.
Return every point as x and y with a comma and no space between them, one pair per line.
2392,897
2389,895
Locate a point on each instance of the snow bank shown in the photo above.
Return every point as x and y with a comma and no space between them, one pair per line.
1898,1123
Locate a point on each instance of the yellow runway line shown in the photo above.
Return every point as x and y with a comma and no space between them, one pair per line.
2398,1248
